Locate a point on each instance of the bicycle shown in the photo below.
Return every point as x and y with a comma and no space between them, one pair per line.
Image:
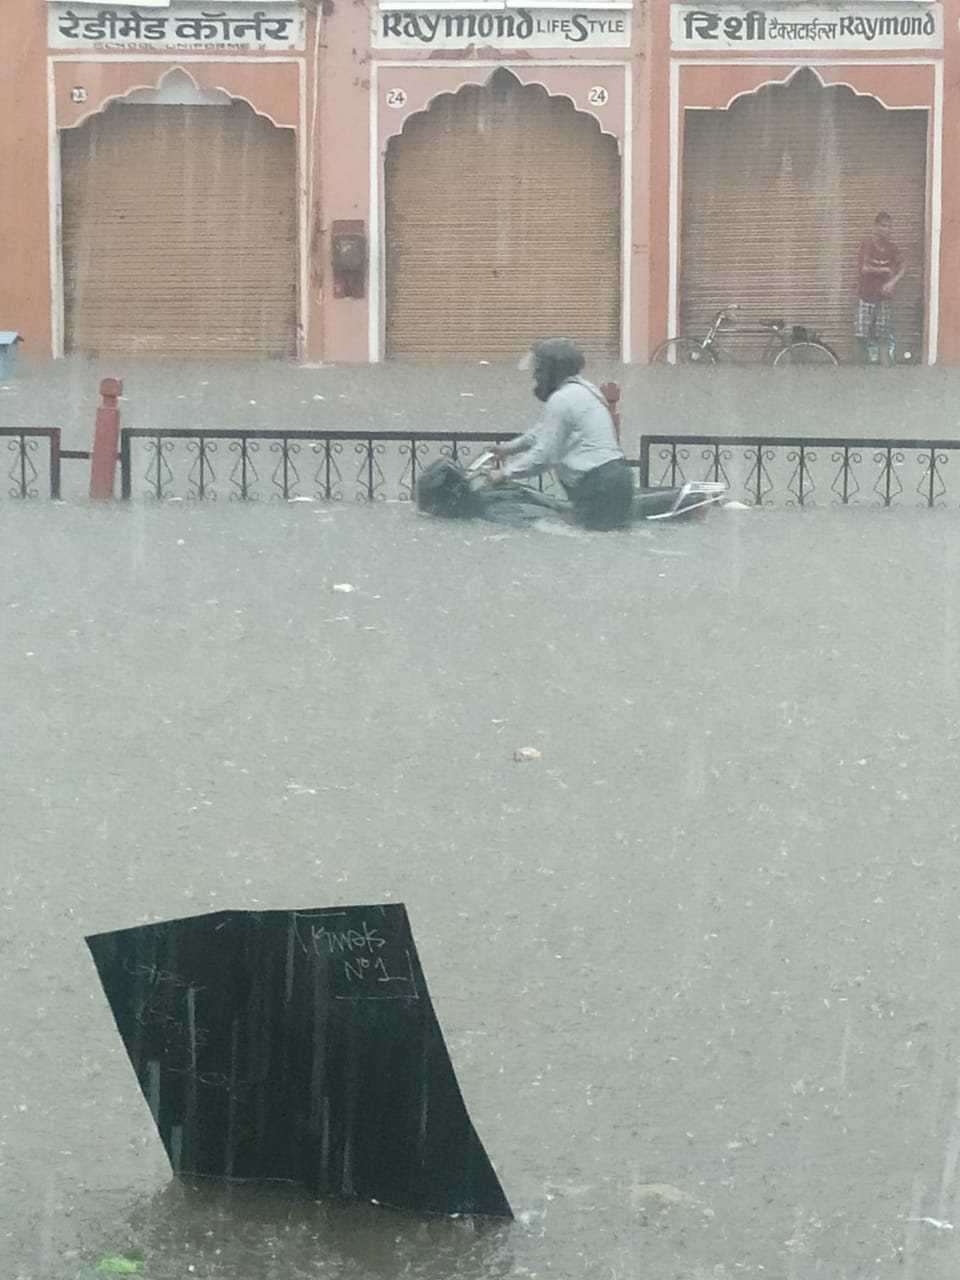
785,345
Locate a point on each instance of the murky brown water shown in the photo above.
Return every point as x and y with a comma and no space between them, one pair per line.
708,941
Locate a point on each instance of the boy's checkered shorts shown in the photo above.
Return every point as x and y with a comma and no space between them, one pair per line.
872,319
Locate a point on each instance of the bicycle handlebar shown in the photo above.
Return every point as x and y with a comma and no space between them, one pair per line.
725,313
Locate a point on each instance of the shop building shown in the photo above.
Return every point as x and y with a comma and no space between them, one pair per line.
328,181
416,179
177,179
784,128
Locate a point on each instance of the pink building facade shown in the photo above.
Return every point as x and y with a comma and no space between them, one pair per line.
332,182
335,181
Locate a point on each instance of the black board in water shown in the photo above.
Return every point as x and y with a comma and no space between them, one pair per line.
298,1045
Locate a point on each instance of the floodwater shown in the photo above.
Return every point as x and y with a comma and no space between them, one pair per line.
696,964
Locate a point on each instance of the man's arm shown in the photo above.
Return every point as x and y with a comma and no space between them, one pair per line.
899,267
867,265
548,441
517,445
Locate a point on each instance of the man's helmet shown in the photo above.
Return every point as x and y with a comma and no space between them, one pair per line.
554,361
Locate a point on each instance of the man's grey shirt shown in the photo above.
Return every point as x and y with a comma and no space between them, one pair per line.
575,435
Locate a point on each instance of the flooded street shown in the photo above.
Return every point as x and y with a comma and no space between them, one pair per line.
696,964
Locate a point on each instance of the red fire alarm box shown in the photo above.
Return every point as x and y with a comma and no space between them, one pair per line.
348,248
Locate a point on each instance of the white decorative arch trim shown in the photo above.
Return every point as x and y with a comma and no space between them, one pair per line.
176,86
481,77
792,75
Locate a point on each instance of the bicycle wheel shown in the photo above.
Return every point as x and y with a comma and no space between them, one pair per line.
806,353
684,351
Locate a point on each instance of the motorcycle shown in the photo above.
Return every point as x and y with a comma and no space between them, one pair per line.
453,492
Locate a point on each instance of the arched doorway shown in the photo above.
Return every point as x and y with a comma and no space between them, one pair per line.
502,226
179,231
778,191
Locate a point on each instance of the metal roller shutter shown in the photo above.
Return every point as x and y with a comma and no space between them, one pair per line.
179,232
778,191
503,226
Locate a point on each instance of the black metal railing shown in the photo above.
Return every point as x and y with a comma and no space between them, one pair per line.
805,471
27,467
367,466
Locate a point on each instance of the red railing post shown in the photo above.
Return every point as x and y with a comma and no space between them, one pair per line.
611,393
106,439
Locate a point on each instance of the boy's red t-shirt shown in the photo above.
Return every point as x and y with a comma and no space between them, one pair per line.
876,253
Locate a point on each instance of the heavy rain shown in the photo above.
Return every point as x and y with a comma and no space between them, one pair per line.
693,957
658,823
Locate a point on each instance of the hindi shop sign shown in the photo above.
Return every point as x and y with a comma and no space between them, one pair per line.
208,27
769,27
502,29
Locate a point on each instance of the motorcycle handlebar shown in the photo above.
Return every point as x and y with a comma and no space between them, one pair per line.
485,461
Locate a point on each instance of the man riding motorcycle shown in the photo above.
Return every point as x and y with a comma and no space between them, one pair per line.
575,437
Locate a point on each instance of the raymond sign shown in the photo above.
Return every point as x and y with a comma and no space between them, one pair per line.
503,29
766,28
210,26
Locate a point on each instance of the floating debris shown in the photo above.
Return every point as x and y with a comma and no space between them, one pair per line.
661,1193
341,989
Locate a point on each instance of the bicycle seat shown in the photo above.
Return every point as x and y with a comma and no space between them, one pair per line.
773,324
